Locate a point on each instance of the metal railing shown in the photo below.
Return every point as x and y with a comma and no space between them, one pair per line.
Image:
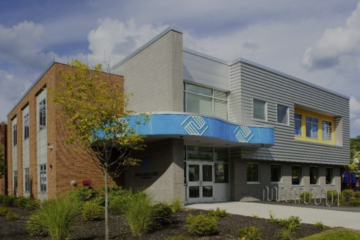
301,195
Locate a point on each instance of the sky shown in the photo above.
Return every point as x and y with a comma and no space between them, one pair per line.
317,41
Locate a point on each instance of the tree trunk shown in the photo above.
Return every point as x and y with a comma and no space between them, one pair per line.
106,206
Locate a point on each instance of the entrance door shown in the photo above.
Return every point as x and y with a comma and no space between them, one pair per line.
200,182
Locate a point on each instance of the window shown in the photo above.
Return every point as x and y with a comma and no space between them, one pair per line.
205,101
199,153
311,127
42,114
221,173
259,109
15,183
27,180
252,172
326,130
26,126
314,175
15,135
275,173
329,175
282,114
297,118
43,178
296,173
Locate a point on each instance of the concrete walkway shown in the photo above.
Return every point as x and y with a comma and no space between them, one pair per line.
331,218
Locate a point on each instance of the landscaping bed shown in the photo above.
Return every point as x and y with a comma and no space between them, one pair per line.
88,230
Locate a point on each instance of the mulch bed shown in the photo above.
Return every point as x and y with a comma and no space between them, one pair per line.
228,228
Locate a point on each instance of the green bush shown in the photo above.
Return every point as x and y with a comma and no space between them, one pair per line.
91,211
217,213
272,217
33,226
357,194
319,225
306,196
202,225
83,194
139,213
178,237
348,194
354,202
32,204
11,216
118,199
292,223
20,202
284,234
3,211
250,233
162,214
8,200
176,205
60,216
329,193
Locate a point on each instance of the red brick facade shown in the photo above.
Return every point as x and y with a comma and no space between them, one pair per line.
65,162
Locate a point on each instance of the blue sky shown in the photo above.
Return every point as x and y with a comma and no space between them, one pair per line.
317,41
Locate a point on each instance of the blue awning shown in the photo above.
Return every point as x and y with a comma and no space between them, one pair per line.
185,124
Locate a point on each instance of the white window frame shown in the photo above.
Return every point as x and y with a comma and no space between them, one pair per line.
281,174
322,128
287,115
265,109
27,180
43,178
26,126
258,171
42,114
14,133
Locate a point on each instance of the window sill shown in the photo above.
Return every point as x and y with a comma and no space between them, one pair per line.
276,182
260,120
253,182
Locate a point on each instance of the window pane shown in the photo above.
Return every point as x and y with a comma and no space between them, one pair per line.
312,127
252,172
194,174
297,118
198,89
314,175
259,109
220,109
207,173
221,173
221,154
296,175
207,191
329,175
326,130
275,173
219,94
198,104
200,153
194,192
282,114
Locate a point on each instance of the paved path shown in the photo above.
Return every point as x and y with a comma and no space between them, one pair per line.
331,218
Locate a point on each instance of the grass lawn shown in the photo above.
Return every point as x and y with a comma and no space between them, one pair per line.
335,234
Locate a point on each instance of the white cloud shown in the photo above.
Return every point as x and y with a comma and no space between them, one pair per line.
335,44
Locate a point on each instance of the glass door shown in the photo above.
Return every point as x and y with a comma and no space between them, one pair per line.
200,182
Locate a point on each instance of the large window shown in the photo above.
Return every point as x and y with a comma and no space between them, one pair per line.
42,114
26,126
296,173
275,173
326,130
314,175
329,175
252,172
15,179
27,180
43,178
297,119
259,109
282,114
205,101
15,135
311,127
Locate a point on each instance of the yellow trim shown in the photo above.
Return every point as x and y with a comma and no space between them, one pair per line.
320,117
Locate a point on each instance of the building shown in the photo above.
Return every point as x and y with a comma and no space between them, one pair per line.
3,180
218,130
40,164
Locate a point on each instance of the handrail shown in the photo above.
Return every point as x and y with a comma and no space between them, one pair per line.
295,195
277,198
267,193
280,193
312,190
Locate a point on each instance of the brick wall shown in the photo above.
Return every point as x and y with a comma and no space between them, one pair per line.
3,182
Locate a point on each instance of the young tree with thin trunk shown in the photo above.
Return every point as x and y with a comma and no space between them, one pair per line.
95,113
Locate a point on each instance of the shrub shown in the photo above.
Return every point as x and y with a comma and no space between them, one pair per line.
59,216
20,202
91,211
8,200
306,196
357,194
3,211
354,202
83,194
178,237
118,198
33,226
319,225
272,216
139,213
176,205
292,223
217,213
11,216
32,204
162,214
329,193
202,225
348,194
284,234
250,233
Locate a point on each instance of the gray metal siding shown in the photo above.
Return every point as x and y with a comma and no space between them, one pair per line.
206,72
275,89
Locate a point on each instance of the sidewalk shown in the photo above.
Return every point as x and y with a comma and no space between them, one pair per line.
331,218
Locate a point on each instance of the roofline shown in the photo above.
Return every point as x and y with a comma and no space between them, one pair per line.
170,28
242,60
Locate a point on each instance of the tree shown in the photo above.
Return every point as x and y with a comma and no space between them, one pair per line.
2,163
355,153
95,115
